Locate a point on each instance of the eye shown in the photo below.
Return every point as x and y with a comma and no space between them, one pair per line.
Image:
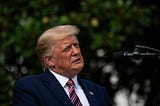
76,45
67,48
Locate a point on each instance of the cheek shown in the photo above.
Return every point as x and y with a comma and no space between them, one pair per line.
63,59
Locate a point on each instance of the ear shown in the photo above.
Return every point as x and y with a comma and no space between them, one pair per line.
49,61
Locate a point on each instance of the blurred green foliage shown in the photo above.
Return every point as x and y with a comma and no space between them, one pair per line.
103,23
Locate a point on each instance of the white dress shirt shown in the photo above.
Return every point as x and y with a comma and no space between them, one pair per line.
79,91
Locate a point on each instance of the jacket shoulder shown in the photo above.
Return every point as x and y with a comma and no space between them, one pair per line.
28,81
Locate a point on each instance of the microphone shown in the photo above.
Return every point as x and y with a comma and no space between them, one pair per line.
134,55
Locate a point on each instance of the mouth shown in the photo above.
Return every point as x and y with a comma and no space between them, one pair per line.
78,60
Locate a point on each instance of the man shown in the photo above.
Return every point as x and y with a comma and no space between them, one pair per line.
61,58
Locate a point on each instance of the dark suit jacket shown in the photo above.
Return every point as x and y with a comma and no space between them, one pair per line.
45,90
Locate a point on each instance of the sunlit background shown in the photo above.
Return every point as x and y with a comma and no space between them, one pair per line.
107,26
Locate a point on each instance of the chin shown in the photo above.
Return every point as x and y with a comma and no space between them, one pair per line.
79,68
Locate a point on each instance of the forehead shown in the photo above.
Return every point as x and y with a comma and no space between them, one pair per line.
67,40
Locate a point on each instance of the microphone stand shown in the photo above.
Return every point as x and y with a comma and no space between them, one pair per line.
138,54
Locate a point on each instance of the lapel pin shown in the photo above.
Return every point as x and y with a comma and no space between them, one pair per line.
91,93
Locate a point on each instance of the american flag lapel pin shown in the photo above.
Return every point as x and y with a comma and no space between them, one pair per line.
91,93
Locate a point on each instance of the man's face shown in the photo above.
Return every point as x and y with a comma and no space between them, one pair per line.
67,57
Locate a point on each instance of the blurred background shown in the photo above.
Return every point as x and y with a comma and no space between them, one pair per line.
107,26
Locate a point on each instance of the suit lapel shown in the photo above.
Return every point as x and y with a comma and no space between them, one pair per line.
89,93
55,88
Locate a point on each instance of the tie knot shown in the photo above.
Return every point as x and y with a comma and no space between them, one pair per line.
70,82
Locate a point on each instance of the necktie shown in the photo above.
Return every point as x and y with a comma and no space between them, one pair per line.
73,97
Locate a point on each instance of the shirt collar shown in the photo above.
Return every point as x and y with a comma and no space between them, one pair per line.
75,82
63,80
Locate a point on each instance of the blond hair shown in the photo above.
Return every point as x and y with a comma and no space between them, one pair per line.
48,39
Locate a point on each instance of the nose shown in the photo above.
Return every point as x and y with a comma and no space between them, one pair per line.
75,50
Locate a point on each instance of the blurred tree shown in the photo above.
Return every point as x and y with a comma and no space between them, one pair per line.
105,26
